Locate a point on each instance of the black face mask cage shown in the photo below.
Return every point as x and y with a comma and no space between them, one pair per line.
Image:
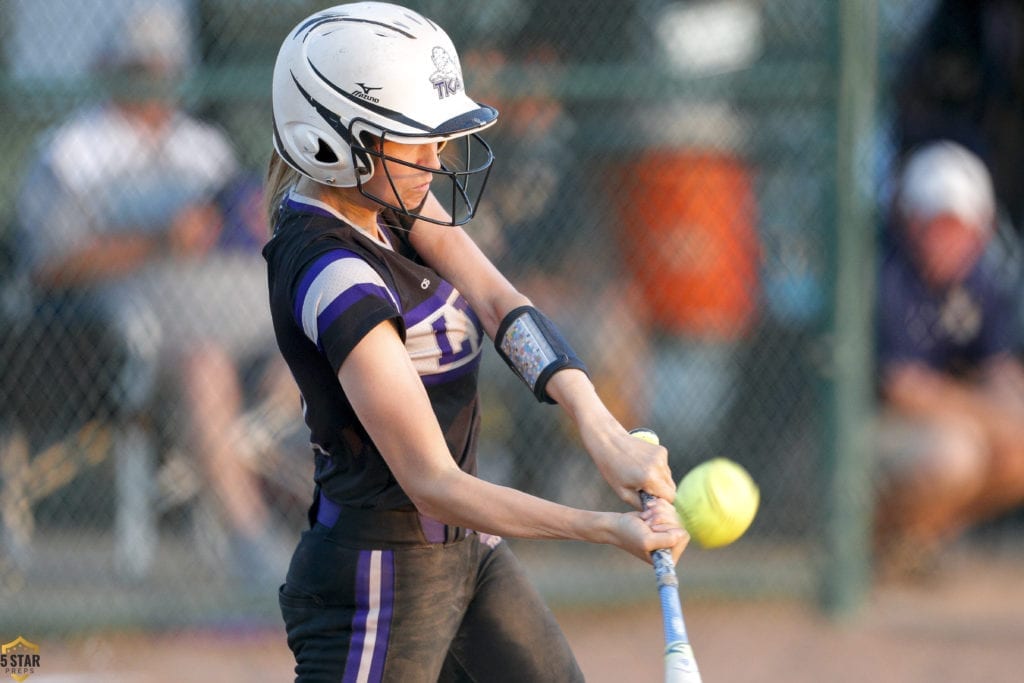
458,185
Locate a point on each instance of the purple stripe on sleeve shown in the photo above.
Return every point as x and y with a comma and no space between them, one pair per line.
341,303
387,605
355,647
311,274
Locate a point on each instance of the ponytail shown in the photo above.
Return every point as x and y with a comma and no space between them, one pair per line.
280,178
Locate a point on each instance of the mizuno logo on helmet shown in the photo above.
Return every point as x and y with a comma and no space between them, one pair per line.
447,79
365,93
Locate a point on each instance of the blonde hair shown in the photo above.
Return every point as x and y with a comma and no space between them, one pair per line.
280,178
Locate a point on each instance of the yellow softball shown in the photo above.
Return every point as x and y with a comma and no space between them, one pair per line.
717,501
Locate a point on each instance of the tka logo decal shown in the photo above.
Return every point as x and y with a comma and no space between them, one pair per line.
447,79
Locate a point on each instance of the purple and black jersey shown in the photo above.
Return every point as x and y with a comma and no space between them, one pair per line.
330,284
952,330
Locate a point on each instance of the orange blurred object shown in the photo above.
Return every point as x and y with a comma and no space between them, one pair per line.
690,241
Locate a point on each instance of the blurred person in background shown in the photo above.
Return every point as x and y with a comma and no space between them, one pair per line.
137,212
951,442
963,80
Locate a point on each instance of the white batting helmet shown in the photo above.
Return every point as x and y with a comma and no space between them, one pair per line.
379,69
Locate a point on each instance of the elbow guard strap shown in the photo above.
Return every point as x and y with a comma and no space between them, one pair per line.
535,350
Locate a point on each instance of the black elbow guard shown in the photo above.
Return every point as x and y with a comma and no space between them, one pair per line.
534,348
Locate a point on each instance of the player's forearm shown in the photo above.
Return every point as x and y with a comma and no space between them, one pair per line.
461,499
627,464
411,442
576,394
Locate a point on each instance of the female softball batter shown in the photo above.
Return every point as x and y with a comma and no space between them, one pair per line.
380,302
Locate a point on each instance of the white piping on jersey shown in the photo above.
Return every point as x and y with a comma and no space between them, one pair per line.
296,196
333,281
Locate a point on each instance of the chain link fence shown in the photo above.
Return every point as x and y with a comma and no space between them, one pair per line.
665,189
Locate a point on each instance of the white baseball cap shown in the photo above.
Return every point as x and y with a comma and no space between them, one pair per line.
946,178
151,33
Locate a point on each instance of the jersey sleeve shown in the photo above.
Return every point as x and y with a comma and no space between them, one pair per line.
339,299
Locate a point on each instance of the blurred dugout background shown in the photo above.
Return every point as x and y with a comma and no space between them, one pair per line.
683,185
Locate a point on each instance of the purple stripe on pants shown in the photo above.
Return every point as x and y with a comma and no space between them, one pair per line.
387,603
355,647
371,623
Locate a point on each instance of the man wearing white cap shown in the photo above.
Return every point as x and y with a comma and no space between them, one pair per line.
123,214
951,442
